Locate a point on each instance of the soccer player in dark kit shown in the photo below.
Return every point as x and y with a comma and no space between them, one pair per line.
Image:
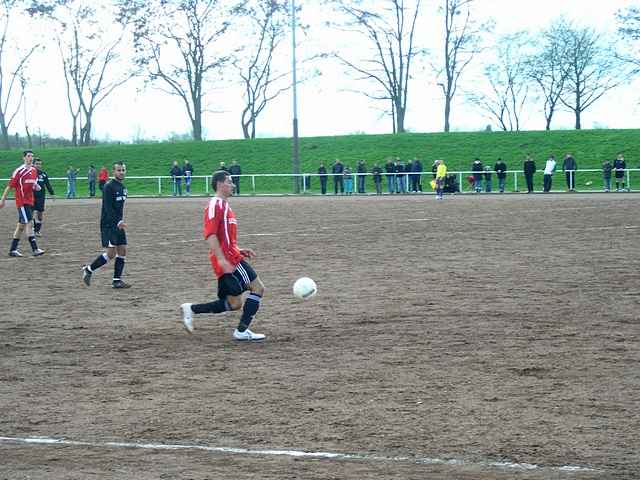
112,229
39,197
235,275
24,181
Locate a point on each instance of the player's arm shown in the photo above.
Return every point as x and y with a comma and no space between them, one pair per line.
4,195
214,245
48,185
247,252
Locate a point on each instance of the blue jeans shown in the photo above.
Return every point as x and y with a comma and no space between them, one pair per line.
348,185
71,189
391,184
177,187
501,184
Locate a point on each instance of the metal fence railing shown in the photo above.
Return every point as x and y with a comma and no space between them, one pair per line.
586,180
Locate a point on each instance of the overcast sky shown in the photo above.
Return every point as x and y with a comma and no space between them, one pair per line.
326,104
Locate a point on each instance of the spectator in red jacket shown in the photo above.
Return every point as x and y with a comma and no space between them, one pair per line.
103,177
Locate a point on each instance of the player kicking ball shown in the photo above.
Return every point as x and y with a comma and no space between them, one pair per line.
235,275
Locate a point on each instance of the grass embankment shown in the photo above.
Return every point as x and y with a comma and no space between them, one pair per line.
589,147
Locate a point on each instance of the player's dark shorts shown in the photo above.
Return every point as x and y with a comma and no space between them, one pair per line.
233,284
112,236
38,203
25,214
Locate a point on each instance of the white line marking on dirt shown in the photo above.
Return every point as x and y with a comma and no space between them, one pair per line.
289,453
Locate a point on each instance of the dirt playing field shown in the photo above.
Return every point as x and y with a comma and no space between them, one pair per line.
480,337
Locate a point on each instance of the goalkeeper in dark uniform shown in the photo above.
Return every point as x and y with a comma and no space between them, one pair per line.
112,229
39,197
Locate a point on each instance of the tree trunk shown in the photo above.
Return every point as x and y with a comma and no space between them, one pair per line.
578,109
400,120
245,131
196,121
393,117
29,140
5,135
85,134
447,113
74,134
197,127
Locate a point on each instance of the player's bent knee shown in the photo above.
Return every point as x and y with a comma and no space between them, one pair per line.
257,287
235,302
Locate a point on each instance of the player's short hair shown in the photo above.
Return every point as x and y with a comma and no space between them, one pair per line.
24,154
37,159
119,162
219,176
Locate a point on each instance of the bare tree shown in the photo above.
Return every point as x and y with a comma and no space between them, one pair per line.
181,43
461,44
388,27
13,64
629,28
509,83
593,69
255,63
90,48
549,69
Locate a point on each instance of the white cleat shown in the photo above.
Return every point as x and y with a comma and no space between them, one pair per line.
187,317
38,252
248,336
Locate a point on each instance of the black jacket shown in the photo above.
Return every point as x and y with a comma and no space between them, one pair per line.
176,171
390,168
43,181
501,169
529,167
113,197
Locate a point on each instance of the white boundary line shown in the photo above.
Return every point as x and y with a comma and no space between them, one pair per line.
291,453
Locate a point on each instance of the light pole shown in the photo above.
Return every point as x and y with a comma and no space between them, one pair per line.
296,144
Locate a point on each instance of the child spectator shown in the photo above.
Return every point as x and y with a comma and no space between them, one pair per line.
348,181
487,178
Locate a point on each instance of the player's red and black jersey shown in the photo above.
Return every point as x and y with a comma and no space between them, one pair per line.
220,221
43,181
113,197
23,180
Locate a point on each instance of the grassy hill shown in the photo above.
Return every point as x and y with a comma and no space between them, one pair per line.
589,147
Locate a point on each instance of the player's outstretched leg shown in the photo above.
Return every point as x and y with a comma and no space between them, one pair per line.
188,309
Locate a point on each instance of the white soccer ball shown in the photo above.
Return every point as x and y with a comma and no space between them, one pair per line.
305,288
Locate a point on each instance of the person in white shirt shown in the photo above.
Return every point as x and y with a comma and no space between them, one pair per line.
549,168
